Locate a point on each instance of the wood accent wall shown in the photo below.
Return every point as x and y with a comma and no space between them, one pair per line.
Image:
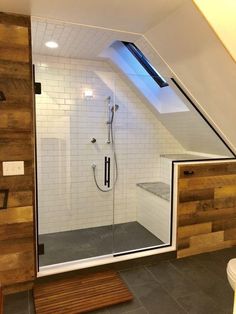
206,208
17,239
1,300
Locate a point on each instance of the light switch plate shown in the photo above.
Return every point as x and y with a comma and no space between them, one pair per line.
13,168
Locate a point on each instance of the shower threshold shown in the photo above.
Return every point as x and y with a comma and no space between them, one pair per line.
62,247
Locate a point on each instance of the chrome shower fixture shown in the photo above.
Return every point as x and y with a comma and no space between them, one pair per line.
111,109
114,108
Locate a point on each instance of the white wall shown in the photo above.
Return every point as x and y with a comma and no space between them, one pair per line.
66,122
188,127
199,60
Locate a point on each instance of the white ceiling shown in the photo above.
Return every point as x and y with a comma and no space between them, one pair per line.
75,41
130,15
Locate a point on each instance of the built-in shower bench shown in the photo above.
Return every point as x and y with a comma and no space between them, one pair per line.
153,208
159,189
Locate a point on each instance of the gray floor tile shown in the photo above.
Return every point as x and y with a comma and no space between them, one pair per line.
137,276
213,262
156,300
210,282
172,280
125,307
224,255
141,310
200,303
195,272
222,293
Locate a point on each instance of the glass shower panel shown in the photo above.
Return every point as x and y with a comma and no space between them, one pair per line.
75,217
142,209
153,127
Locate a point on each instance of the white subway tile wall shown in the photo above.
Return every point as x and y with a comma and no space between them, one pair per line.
66,123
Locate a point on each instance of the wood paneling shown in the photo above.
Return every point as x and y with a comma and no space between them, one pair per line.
14,36
81,294
17,239
206,208
1,300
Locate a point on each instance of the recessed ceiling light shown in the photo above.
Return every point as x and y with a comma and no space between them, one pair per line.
51,44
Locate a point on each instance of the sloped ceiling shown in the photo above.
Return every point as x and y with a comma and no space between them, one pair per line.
130,15
76,41
222,17
200,62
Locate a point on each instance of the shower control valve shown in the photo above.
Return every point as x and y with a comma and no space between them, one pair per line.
93,165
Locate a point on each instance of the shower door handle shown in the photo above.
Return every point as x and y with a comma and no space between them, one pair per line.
107,170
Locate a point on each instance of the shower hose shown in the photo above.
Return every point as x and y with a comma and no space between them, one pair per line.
116,166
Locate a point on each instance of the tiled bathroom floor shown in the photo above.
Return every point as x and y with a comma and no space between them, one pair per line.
78,244
194,285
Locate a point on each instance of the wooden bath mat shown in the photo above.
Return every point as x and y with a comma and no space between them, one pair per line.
80,294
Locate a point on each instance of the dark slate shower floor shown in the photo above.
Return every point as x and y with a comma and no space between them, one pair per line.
91,242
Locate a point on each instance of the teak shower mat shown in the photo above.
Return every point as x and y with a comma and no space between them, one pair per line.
80,294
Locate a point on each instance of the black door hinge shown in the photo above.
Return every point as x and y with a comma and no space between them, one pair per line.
37,88
41,249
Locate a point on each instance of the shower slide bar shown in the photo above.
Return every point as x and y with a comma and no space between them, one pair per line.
107,169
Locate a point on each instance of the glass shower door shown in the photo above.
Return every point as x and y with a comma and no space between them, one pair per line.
74,152
142,209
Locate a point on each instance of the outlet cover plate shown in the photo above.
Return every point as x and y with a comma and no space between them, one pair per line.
13,168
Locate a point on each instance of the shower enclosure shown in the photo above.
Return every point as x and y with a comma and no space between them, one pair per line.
106,144
98,162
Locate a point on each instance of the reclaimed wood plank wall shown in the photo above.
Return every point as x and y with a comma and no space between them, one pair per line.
1,300
17,240
206,208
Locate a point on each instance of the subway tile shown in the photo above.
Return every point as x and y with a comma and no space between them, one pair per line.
66,122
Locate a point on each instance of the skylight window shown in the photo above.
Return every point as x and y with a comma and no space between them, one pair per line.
145,63
148,82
